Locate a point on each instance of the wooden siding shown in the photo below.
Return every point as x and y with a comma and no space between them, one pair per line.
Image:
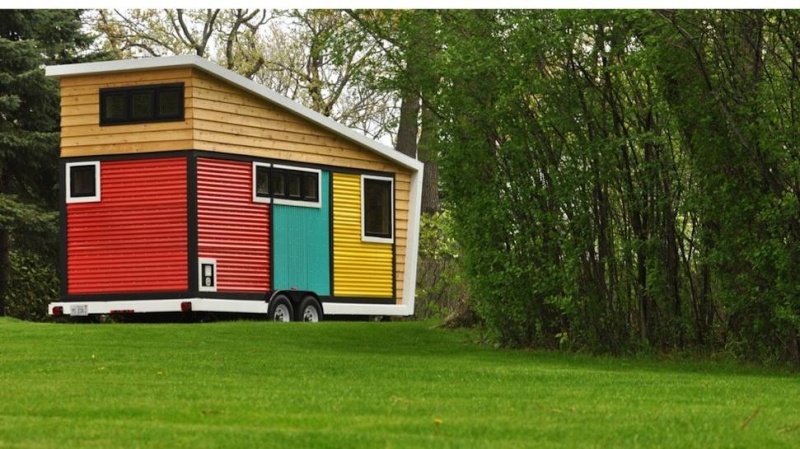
82,135
402,186
360,269
135,239
230,120
232,229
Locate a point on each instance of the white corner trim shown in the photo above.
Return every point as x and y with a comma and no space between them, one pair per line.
412,241
83,199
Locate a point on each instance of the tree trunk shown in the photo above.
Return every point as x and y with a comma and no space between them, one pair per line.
408,128
427,155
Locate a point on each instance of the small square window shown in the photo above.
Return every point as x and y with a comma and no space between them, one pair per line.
83,182
377,209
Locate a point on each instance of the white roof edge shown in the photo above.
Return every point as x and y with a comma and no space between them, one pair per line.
90,68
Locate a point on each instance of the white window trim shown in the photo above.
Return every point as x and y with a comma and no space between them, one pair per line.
200,262
83,199
369,238
256,198
283,201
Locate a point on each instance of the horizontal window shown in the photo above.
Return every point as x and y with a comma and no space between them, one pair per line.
141,104
286,185
83,182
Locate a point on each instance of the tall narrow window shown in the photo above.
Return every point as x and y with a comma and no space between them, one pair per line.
83,182
377,209
262,190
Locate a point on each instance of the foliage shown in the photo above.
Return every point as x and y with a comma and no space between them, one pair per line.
320,58
401,385
626,179
29,120
441,288
34,283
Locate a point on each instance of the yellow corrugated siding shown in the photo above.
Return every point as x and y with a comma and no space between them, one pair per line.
359,268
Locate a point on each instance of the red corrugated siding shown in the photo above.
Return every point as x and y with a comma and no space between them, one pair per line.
135,239
232,228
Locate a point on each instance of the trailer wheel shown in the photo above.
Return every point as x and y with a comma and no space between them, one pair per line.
309,310
280,309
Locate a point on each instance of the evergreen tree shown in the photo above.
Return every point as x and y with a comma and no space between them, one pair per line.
29,126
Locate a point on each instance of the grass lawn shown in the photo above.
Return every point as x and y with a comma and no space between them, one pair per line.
370,385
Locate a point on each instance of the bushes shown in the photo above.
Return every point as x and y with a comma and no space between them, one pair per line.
616,185
34,283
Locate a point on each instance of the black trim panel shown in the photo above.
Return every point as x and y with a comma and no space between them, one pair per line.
357,300
235,296
192,231
62,227
126,296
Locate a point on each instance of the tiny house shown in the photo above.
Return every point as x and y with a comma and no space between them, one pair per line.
187,187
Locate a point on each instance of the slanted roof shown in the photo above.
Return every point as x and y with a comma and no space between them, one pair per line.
196,62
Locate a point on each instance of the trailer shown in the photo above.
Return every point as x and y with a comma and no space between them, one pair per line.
189,188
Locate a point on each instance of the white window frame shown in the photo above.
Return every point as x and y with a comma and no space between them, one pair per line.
256,198
83,199
206,261
287,202
369,238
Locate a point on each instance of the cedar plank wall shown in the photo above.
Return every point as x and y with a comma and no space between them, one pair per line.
82,135
227,119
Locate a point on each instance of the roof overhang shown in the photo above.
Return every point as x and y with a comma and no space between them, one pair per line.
196,62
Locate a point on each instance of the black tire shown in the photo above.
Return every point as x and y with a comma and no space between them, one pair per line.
280,309
310,310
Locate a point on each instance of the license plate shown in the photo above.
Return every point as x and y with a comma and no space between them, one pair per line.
79,310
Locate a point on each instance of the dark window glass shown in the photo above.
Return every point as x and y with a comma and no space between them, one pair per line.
114,107
262,181
82,181
142,105
310,187
170,103
377,208
293,184
278,183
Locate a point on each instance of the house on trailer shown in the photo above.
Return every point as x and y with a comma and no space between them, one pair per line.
187,187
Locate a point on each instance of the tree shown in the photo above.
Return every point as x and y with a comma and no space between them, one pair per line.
319,58
626,179
29,111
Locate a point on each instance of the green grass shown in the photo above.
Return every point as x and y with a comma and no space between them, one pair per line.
348,385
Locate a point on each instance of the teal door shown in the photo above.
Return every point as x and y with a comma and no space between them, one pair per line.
302,245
